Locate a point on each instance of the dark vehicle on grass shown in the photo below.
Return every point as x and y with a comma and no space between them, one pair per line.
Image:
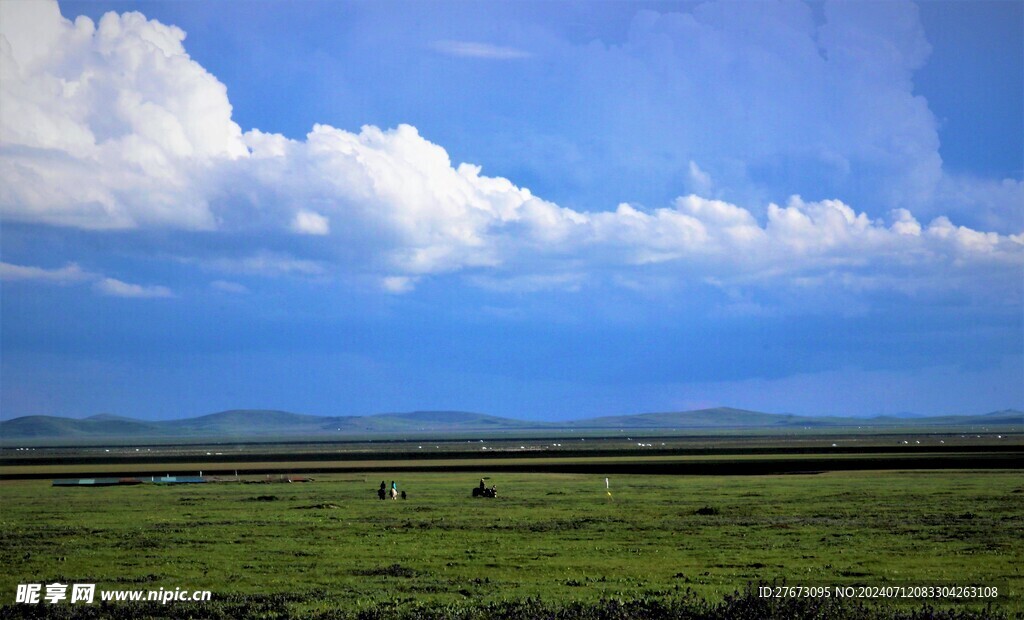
485,492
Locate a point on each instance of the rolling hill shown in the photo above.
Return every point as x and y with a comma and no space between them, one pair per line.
719,417
253,423
729,418
268,424
40,426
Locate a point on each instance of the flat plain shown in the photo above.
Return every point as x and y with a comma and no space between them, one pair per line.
331,545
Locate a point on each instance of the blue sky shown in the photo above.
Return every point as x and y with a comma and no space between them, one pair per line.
543,210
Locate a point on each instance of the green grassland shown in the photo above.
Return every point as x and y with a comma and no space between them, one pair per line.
331,544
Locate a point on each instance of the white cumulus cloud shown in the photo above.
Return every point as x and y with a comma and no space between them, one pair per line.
107,125
113,125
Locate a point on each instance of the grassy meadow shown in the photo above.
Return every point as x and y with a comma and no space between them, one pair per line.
332,545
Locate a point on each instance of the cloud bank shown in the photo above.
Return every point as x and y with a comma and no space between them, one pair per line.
113,126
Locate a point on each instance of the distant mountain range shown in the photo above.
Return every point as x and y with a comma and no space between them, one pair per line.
263,424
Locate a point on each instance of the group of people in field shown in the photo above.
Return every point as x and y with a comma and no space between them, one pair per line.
382,492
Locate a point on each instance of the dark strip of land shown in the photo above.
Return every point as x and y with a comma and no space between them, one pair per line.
606,463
